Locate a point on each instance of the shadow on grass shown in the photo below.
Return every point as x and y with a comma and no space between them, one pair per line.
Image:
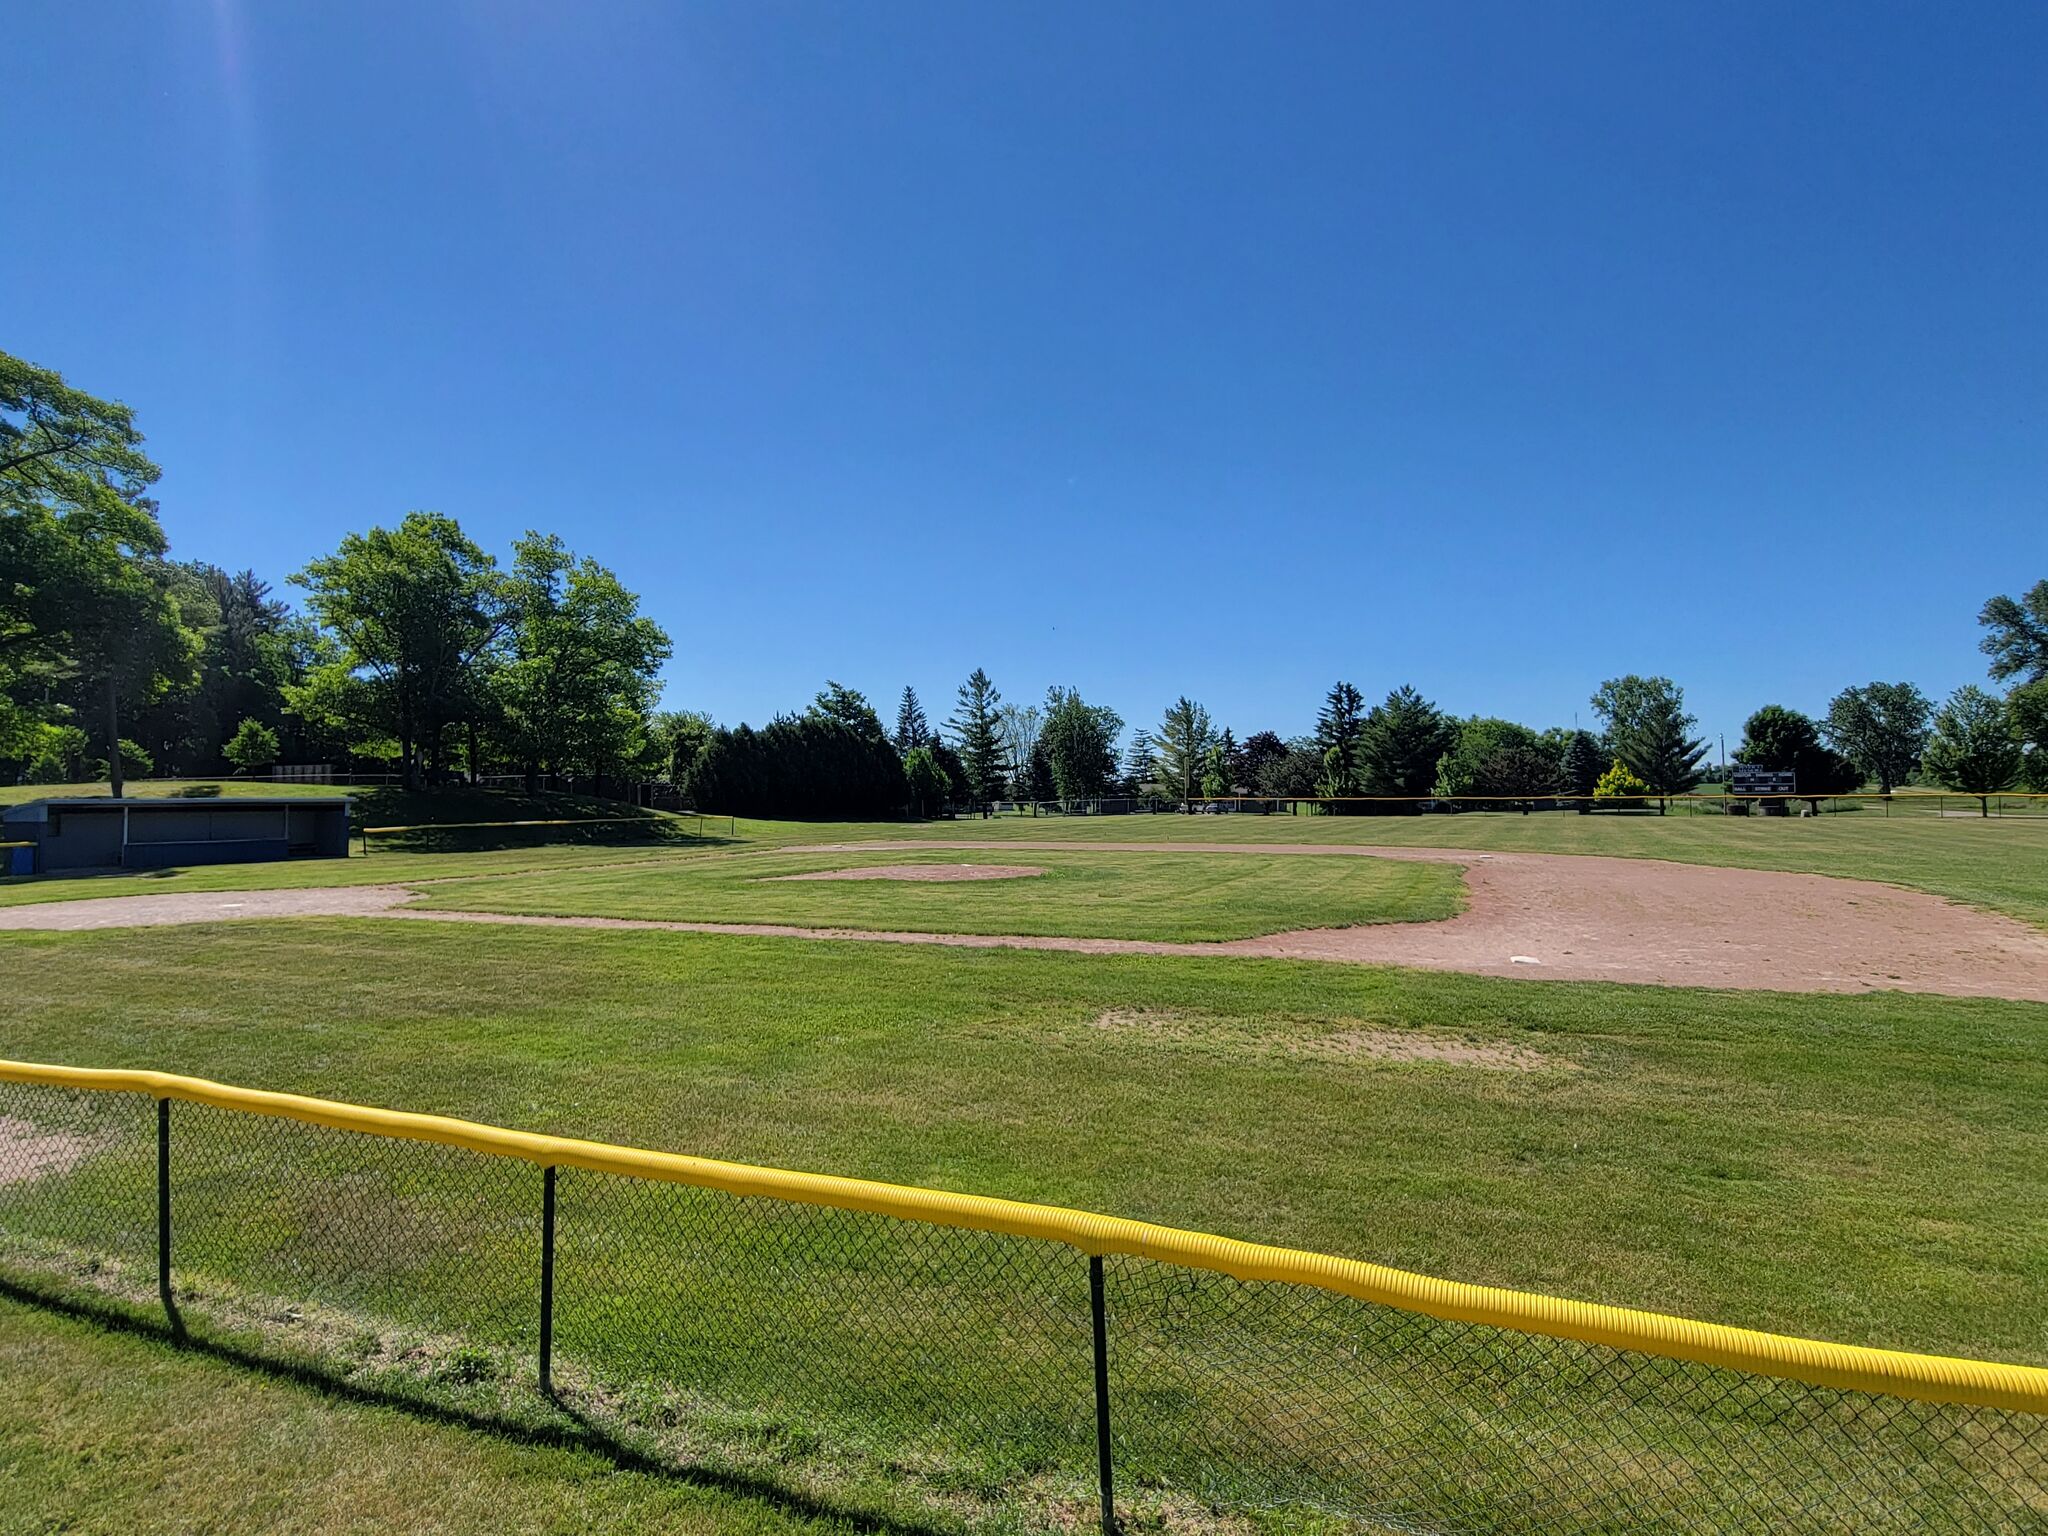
478,840
567,1429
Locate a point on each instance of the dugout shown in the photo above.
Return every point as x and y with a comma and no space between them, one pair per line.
87,834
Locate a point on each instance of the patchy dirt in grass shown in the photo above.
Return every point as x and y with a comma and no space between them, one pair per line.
202,907
29,1151
1533,916
918,874
1249,1036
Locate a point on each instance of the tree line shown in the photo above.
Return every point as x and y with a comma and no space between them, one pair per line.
416,648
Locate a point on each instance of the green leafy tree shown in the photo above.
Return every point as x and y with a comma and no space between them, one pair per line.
1626,703
977,726
575,686
1777,737
253,746
1972,748
87,602
1881,728
1216,779
1496,759
135,762
2027,708
929,786
1080,744
1403,739
912,729
950,764
414,611
1294,774
128,630
1180,747
2017,638
1039,783
678,736
1340,727
1261,750
1649,730
56,754
242,665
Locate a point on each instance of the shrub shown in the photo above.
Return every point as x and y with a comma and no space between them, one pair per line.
1619,789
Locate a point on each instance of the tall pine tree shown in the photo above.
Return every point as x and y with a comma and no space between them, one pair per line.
912,729
1654,745
1401,743
1339,724
975,724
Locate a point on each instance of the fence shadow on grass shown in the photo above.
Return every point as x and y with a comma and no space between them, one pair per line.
567,1428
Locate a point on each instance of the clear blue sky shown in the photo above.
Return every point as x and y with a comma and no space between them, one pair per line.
1227,349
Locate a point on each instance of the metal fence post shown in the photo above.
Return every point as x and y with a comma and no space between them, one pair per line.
547,1281
163,1217
1103,1458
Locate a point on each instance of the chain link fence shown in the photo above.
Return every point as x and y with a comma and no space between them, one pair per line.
1003,1377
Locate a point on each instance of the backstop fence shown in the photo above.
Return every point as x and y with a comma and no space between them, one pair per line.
1007,1362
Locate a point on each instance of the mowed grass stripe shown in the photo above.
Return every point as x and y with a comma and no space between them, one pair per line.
1186,898
2000,866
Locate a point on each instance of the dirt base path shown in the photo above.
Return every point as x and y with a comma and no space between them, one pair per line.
1559,917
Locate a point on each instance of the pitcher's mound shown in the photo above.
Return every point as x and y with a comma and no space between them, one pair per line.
935,873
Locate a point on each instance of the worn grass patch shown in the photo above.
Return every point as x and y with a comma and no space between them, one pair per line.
1315,1040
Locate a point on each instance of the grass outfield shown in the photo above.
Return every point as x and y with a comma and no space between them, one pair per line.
1858,1167
1192,897
2001,866
113,1434
1854,1167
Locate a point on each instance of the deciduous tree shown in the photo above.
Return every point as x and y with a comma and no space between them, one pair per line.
1881,728
2027,708
1496,759
576,685
1080,743
253,746
2017,638
1972,748
928,784
1786,739
414,609
87,598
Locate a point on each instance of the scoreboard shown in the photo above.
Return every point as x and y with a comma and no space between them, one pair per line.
1747,779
